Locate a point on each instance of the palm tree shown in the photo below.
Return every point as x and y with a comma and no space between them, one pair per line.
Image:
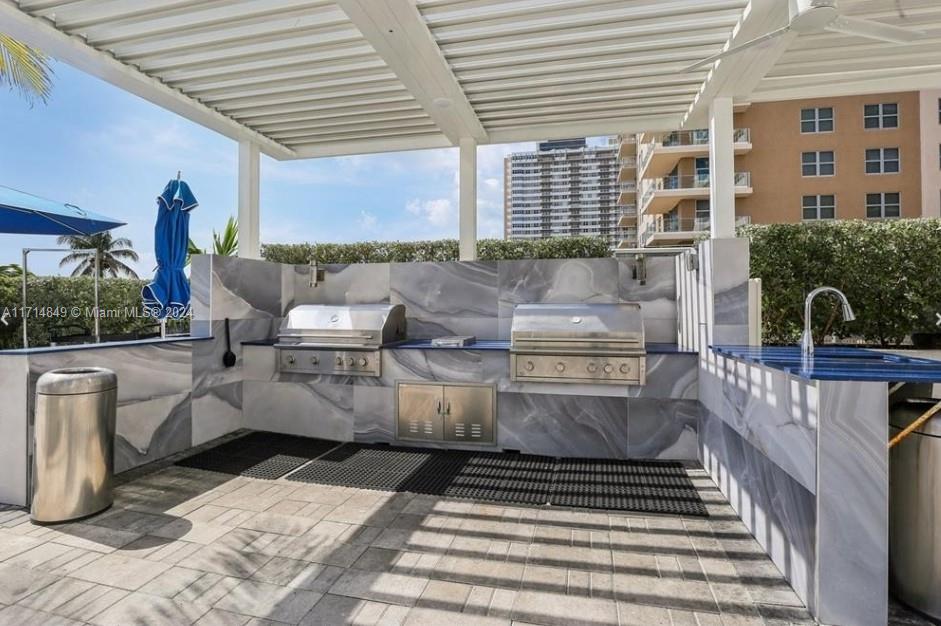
25,69
226,244
111,254
11,270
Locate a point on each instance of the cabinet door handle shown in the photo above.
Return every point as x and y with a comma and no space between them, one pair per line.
439,407
447,410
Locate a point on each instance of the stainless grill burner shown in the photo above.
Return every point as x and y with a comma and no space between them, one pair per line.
322,339
578,343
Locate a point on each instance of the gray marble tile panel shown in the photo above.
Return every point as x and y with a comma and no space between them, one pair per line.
776,509
729,280
656,295
14,391
453,298
574,426
554,280
774,412
374,414
660,330
245,288
669,376
309,410
201,287
853,503
359,283
217,411
154,416
444,365
662,429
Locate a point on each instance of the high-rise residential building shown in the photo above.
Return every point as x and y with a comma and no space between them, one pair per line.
851,157
566,188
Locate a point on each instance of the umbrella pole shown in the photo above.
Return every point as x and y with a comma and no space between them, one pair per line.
97,316
23,313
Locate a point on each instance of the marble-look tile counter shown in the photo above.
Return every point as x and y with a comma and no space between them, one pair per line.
656,420
804,462
154,414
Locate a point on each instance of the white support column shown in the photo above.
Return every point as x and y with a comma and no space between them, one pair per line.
721,169
468,193
249,184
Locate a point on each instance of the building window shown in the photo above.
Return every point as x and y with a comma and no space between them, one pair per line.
702,171
882,161
817,163
702,215
883,205
881,115
819,120
819,207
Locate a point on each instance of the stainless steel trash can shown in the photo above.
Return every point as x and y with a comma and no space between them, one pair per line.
915,509
73,456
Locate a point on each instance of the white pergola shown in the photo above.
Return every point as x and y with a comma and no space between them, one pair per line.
298,79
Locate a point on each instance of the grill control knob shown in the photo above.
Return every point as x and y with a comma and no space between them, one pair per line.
530,366
625,368
290,359
350,361
363,362
560,367
339,360
314,360
592,368
608,368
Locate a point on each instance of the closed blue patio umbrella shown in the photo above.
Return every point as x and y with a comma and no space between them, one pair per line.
168,296
23,213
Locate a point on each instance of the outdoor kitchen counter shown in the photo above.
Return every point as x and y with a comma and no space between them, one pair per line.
482,344
800,451
839,363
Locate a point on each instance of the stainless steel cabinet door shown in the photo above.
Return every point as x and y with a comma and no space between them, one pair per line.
420,409
468,413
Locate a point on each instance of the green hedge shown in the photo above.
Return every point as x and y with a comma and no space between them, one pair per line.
889,270
52,299
439,250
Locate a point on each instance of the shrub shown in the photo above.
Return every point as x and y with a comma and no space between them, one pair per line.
439,250
889,270
52,299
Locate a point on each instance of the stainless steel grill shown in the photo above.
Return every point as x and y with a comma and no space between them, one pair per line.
322,339
578,343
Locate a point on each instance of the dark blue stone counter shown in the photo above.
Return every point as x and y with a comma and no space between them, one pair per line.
482,344
839,363
102,345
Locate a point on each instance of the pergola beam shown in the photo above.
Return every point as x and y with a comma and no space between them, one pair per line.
40,33
397,31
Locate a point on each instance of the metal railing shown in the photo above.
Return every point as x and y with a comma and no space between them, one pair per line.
627,162
692,225
689,181
699,137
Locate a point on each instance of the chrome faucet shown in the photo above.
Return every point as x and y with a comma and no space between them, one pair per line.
807,339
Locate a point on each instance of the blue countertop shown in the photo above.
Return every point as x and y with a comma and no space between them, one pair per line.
103,345
482,344
839,363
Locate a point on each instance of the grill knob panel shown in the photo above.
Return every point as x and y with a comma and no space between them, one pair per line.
592,368
560,367
608,368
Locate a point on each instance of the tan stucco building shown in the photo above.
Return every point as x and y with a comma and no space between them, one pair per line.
854,157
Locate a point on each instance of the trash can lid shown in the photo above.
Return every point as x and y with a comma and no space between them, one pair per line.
76,380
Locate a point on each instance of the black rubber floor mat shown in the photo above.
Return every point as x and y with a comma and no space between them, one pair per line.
259,455
642,486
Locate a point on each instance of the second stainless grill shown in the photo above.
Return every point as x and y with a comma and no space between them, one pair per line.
585,343
322,339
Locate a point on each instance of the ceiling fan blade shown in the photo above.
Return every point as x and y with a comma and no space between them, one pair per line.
873,30
748,44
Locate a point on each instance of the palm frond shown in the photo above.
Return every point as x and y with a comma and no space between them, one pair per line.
25,69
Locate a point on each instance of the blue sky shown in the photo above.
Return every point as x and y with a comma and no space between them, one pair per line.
108,151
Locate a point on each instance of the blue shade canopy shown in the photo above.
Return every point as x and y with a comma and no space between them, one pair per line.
25,214
169,294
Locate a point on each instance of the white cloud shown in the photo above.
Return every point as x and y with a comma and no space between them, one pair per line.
367,221
437,211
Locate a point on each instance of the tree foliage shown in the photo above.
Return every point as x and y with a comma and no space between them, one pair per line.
889,270
25,69
112,254
438,250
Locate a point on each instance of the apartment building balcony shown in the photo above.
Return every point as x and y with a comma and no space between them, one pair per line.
676,231
627,216
627,169
627,145
627,193
660,195
659,154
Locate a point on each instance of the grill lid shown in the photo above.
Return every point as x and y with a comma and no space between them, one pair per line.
583,327
363,325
